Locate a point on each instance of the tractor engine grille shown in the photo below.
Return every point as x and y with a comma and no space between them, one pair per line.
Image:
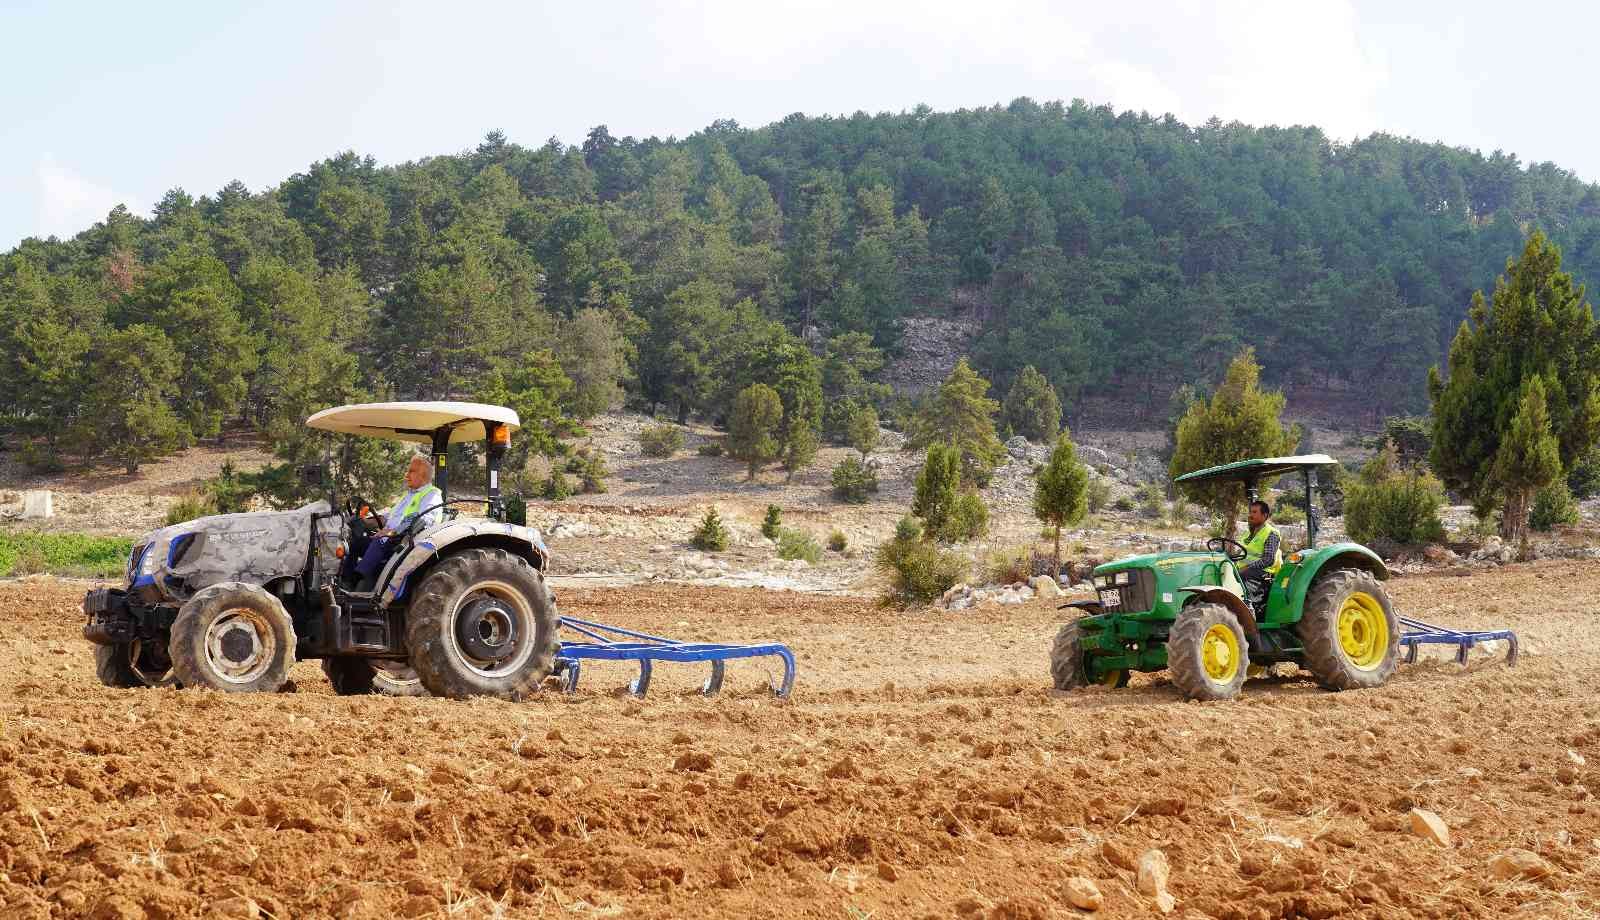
1137,596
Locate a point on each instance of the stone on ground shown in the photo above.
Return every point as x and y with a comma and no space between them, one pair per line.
1083,893
1429,826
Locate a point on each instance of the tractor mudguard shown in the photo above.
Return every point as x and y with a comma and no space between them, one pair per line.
1337,555
453,535
1089,608
1215,595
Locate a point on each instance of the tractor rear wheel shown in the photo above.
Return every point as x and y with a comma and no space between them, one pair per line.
482,623
1207,653
1349,630
233,637
139,663
1067,666
353,676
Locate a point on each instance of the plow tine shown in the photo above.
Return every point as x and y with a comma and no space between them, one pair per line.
613,643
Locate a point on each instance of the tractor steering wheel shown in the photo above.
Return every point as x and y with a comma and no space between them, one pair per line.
353,507
1233,549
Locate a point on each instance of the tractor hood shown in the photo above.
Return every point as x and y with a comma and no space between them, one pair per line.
1155,560
254,547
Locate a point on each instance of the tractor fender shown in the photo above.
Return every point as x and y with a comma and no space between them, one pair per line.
1215,595
1336,556
1089,608
453,536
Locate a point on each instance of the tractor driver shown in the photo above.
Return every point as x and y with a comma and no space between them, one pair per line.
1263,555
421,498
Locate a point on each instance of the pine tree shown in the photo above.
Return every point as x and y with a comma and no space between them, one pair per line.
960,414
938,486
1529,459
1060,495
126,413
1241,421
1032,408
1538,326
863,430
753,426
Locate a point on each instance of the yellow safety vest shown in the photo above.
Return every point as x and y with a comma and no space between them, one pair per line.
1256,544
415,504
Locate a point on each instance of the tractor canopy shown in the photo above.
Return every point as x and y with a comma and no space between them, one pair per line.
416,422
1260,468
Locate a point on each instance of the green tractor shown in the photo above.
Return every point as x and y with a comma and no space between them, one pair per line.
1187,612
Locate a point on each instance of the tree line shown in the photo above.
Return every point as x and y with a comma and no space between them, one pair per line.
1116,253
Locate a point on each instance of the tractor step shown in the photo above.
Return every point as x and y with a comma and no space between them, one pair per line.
613,643
1419,633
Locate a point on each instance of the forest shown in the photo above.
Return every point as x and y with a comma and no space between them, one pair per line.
1120,254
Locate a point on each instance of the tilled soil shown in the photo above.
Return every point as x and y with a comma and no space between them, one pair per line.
922,769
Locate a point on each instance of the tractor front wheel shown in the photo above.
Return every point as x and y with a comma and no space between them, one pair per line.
140,663
1349,630
1067,666
233,637
353,676
482,623
1207,653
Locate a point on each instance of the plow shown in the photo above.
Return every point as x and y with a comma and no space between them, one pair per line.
614,643
1417,633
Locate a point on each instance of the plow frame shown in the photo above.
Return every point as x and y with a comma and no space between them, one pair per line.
614,643
1418,633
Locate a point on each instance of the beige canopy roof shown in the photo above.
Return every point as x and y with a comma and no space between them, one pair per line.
414,421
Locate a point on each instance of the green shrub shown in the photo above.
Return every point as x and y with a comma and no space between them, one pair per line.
711,535
64,554
853,481
40,460
1288,514
1583,480
797,544
1553,507
711,448
968,520
1009,565
1152,503
661,440
1123,503
917,571
908,528
187,508
837,541
230,492
516,511
590,468
1385,504
556,487
1098,494
772,523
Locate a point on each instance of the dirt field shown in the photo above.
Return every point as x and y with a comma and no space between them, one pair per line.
921,770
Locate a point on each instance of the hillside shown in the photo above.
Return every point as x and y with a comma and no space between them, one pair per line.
1119,253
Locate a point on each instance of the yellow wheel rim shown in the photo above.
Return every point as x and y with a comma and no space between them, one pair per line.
1111,679
1363,631
1219,654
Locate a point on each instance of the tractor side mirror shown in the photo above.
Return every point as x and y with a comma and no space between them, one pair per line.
313,475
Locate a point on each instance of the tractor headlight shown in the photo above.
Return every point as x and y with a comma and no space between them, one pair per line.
1103,581
151,561
1124,578
133,560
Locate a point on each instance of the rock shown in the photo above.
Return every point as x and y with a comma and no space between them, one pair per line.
1010,598
1429,826
1165,902
1506,555
1153,871
887,872
1196,528
1523,864
1433,552
37,504
1083,893
1045,586
1493,545
961,603
240,907
960,590
1017,447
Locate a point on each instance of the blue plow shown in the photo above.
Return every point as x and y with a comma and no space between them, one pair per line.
613,643
1418,633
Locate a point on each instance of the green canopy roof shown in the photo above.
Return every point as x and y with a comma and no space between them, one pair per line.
1259,468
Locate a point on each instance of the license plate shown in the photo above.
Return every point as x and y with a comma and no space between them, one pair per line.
1111,599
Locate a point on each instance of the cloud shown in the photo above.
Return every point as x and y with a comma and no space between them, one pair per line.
68,203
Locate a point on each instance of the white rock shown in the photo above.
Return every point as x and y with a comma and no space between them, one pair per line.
1045,586
37,504
1429,826
1153,872
1083,893
1518,864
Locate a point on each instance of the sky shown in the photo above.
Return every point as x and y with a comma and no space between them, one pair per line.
119,102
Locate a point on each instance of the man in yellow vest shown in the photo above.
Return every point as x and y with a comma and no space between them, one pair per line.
421,499
1263,556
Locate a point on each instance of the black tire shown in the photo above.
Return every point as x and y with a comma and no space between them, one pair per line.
1205,664
133,664
1066,663
233,637
351,676
1366,654
482,623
